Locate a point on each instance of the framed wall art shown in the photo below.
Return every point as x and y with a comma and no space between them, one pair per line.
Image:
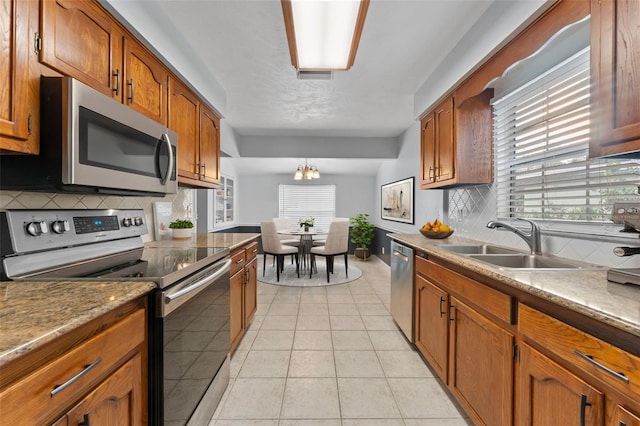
397,201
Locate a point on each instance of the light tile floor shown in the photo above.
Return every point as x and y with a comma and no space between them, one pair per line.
332,356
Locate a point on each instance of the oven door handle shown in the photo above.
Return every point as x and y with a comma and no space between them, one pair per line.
184,292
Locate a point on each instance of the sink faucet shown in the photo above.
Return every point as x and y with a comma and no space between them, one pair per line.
532,239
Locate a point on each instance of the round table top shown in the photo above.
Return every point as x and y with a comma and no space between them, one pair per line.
311,231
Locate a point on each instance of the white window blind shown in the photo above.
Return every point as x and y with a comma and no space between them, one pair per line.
317,201
541,134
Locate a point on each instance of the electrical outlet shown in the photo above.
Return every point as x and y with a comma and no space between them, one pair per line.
382,250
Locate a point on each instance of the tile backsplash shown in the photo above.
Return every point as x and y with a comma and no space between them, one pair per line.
470,208
183,203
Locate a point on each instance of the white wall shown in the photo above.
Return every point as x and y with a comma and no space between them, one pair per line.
258,195
428,203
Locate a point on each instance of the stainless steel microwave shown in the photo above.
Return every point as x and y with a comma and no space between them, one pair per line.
90,143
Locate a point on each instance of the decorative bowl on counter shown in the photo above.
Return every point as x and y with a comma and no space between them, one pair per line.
437,235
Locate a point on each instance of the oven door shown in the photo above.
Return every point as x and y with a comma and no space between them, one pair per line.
190,346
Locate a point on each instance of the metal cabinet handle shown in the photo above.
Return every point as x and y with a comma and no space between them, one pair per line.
247,275
131,91
583,408
604,368
451,308
239,261
431,175
59,388
442,312
170,166
85,420
116,74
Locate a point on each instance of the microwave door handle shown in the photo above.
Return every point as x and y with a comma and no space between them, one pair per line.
167,141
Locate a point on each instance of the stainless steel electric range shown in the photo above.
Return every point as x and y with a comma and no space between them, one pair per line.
189,338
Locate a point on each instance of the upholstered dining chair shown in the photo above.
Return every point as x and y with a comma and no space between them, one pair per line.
284,224
337,243
272,245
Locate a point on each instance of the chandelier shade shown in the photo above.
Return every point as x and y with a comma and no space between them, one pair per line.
323,35
306,172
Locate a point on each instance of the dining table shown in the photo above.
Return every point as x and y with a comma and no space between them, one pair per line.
306,242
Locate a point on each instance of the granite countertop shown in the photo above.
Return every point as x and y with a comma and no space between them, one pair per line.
216,239
33,313
584,291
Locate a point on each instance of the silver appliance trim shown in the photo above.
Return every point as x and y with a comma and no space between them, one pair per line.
209,402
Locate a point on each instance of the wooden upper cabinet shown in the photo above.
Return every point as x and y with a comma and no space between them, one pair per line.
456,143
209,145
79,39
17,113
145,88
184,119
615,73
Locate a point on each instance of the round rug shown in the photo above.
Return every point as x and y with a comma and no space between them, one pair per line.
319,279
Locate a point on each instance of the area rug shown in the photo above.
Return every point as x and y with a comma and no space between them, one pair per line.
319,279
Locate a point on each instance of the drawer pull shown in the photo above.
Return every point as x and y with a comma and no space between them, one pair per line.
85,421
615,374
239,261
59,388
441,310
583,408
255,250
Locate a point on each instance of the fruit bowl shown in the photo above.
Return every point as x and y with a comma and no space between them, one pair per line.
438,235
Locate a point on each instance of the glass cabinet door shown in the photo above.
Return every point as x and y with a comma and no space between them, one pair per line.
223,204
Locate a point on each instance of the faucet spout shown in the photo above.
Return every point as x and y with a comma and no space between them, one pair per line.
532,238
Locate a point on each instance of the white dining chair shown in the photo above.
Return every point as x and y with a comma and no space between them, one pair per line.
272,245
337,243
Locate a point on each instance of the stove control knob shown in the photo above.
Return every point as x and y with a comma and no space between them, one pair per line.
60,226
126,222
137,221
37,228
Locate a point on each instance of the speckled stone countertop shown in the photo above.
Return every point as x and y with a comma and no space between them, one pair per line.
34,313
215,239
585,291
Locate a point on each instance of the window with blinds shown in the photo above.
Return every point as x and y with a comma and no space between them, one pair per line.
541,136
317,201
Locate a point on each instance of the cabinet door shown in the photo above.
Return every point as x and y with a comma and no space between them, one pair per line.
209,146
431,320
615,72
550,395
622,417
237,282
145,82
427,150
117,400
79,39
183,118
14,75
481,365
250,292
445,141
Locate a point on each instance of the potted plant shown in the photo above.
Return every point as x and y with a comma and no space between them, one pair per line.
181,228
307,222
362,233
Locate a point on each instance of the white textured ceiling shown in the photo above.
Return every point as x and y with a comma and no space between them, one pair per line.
243,45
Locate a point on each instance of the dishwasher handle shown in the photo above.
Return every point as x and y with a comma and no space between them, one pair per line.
401,256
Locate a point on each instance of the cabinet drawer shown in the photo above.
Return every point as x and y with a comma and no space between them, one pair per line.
492,301
88,363
237,261
596,357
251,251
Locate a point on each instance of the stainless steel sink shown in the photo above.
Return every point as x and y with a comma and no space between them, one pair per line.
530,261
477,249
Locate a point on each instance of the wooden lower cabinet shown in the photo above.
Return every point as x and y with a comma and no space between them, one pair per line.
620,416
244,290
551,395
432,325
117,400
481,365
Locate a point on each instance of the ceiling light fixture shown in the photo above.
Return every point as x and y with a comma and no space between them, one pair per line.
323,34
307,172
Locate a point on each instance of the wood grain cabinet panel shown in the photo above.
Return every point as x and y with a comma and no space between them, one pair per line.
184,120
620,416
17,111
615,73
427,150
550,395
81,40
145,82
251,291
244,290
209,146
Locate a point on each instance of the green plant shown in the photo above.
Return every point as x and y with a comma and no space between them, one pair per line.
362,231
181,224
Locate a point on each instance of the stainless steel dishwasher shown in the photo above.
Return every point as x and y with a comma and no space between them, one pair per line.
402,287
